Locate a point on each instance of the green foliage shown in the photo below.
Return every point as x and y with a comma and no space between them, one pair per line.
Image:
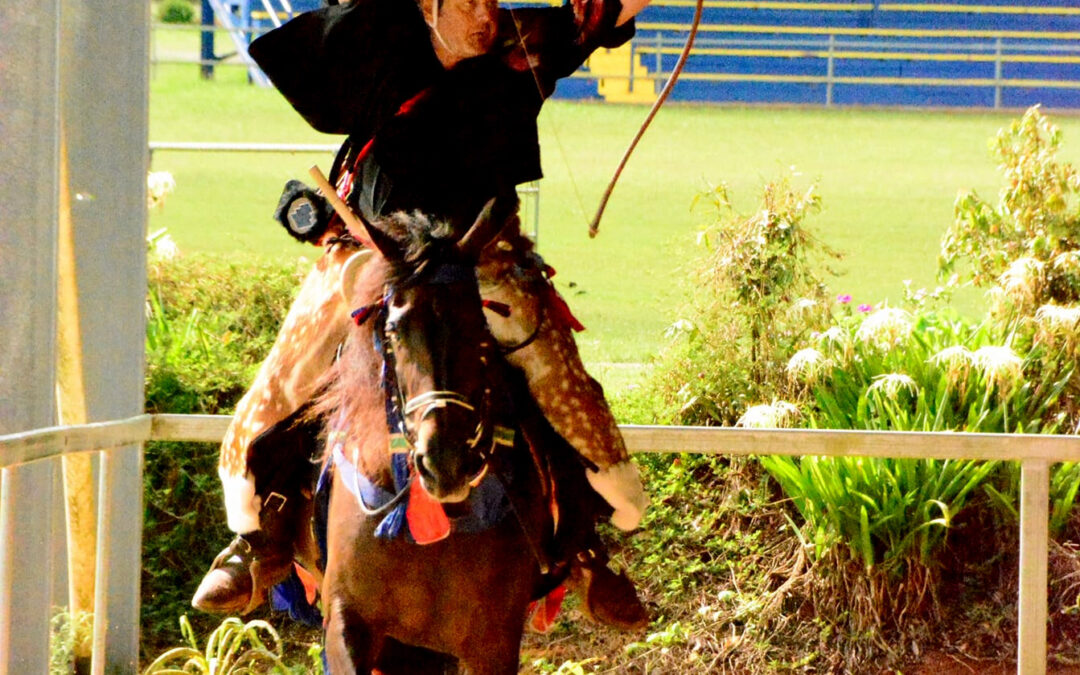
176,11
66,631
891,513
233,648
758,294
929,371
896,370
209,324
1035,219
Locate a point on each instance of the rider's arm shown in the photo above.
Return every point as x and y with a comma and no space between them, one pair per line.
630,9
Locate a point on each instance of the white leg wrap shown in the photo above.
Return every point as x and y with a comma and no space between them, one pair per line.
242,505
620,485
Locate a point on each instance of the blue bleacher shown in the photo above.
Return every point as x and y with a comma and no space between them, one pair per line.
899,35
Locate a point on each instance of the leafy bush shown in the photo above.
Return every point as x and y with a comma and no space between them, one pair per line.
209,325
757,295
176,11
1036,220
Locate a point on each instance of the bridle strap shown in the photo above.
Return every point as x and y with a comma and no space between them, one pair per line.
510,349
432,400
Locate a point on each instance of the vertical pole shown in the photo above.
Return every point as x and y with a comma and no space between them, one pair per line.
104,111
659,53
101,597
29,80
830,71
206,41
997,73
1034,555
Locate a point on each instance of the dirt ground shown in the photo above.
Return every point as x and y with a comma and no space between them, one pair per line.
939,663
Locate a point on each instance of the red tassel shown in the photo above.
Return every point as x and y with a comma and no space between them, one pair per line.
561,311
359,316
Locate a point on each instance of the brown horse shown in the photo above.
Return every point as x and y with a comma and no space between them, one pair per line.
435,383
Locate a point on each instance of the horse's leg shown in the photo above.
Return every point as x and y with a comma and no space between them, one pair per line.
496,653
400,659
351,646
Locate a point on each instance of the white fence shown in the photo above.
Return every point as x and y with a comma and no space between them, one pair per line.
1035,453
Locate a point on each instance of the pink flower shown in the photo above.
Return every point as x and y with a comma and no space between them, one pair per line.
843,298
864,308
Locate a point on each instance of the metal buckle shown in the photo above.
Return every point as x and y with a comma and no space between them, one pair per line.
269,499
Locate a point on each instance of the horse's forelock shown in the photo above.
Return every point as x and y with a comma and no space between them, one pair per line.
421,240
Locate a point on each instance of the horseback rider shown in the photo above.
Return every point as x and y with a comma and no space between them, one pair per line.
439,102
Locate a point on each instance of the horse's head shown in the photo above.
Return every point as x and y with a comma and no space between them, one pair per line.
435,346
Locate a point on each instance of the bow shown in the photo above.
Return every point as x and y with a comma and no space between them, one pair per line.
594,227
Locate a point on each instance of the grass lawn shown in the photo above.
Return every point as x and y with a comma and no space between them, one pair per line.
888,180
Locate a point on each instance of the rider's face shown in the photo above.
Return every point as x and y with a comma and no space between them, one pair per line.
465,28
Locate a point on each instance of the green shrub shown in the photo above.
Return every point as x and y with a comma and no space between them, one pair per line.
758,293
176,11
209,324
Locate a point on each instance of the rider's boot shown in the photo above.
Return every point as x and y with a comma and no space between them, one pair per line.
243,573
606,597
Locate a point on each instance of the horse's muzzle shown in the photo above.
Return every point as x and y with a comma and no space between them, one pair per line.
446,464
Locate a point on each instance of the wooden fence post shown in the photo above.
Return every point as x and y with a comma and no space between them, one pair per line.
1034,554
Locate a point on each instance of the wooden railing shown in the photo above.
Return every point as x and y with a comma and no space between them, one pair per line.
1034,452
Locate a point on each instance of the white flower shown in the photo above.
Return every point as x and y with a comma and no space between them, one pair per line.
680,328
952,356
773,415
956,360
1067,262
1000,365
166,248
808,364
834,335
1057,319
1021,279
885,328
158,185
891,384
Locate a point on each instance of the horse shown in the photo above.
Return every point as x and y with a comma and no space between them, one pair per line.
420,373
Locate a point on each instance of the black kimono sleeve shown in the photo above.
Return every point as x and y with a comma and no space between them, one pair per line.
347,68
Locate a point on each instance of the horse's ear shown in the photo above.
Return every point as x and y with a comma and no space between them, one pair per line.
488,225
349,272
383,242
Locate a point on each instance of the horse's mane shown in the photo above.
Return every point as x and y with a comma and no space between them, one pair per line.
352,398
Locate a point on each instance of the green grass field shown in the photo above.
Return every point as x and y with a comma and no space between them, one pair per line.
888,179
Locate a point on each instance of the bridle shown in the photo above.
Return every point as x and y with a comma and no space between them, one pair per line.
404,412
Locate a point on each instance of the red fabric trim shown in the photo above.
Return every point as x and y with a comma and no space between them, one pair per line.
427,519
543,612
